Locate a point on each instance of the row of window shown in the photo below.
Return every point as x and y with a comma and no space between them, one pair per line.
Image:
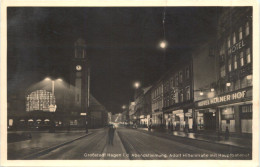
179,78
240,83
178,97
240,59
157,105
158,91
242,32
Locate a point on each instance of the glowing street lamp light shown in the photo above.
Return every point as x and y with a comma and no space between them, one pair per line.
163,44
123,107
52,83
228,84
137,85
212,89
201,93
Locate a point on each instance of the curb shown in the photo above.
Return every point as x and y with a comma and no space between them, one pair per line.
40,153
208,141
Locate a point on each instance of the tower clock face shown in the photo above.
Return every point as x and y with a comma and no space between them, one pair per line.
78,67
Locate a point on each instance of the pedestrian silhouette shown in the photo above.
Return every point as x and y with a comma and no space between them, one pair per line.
227,133
111,132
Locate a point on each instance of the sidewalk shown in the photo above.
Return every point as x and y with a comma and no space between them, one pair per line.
242,142
41,141
115,151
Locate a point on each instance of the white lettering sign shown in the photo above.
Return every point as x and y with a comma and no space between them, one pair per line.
225,98
237,46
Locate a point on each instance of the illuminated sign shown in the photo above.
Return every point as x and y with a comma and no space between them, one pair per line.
237,46
225,98
83,113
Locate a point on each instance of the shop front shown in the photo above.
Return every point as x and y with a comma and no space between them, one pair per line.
143,121
230,112
206,119
189,119
157,119
178,120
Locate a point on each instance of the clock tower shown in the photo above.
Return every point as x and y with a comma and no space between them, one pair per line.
80,78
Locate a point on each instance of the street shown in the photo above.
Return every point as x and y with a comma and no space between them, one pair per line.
135,144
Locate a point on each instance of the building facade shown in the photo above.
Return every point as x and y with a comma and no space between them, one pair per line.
178,96
157,104
231,106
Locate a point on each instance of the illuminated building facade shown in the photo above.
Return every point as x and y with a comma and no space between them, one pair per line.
231,106
40,100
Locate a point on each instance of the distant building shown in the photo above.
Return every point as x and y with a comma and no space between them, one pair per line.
131,109
142,107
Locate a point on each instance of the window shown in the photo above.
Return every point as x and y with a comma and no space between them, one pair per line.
221,52
237,84
180,75
187,72
247,29
229,65
249,80
240,33
222,71
227,113
241,59
228,42
176,96
234,38
230,88
246,81
188,93
235,62
176,80
181,96
248,56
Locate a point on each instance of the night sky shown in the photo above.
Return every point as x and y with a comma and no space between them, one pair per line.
122,44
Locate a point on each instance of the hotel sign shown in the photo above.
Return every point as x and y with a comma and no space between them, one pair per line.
237,46
224,98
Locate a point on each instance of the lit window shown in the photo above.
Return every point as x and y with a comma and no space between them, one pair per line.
188,93
235,62
247,28
234,38
249,80
181,96
176,96
228,42
248,56
240,33
241,59
229,65
222,71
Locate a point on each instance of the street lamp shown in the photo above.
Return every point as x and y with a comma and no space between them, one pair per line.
123,107
163,44
228,84
137,85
